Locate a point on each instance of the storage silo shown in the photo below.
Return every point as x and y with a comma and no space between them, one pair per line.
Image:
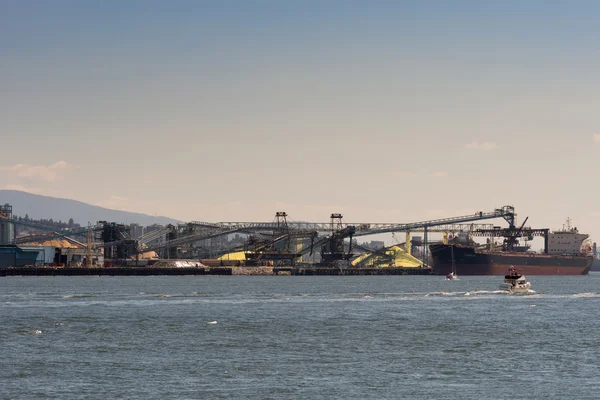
7,230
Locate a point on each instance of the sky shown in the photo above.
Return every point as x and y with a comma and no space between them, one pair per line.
384,111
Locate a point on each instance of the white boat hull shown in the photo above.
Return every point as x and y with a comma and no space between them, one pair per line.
521,288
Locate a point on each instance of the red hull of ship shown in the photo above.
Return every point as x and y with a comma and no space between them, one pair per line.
501,269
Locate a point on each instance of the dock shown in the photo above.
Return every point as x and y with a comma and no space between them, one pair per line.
224,271
112,271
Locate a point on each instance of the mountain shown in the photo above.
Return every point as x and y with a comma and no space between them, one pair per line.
38,207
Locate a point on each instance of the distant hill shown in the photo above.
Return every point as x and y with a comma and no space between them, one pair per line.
38,207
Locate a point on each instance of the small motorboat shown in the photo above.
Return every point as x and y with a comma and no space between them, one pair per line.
451,276
515,282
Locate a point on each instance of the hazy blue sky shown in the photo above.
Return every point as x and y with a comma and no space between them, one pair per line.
381,110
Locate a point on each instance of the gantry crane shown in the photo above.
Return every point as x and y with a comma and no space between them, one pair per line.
332,250
275,250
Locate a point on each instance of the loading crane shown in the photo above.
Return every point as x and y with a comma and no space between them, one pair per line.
173,242
506,212
453,224
363,229
332,250
437,225
63,233
275,250
512,233
258,251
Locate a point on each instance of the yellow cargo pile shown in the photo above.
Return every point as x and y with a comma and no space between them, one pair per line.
236,256
399,259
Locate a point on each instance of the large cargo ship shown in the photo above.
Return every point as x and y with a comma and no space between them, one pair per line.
565,253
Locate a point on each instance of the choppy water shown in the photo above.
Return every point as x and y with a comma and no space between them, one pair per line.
394,337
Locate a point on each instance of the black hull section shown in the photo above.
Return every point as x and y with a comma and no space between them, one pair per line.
468,261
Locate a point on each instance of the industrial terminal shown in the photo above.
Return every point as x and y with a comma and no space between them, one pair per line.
285,247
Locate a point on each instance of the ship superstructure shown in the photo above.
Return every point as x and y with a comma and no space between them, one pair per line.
567,241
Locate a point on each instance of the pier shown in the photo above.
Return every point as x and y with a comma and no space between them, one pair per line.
186,271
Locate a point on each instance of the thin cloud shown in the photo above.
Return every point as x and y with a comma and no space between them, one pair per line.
405,174
439,174
114,203
481,146
121,203
597,138
46,173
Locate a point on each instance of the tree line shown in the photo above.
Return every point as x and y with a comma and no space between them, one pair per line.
56,225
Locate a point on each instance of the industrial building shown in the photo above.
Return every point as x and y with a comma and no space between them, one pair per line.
63,251
11,255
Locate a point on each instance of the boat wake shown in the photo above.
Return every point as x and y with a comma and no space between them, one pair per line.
468,293
586,295
444,294
478,292
32,332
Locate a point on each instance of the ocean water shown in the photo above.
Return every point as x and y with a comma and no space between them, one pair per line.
368,337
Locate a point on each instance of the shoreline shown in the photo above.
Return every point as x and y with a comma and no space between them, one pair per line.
219,271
